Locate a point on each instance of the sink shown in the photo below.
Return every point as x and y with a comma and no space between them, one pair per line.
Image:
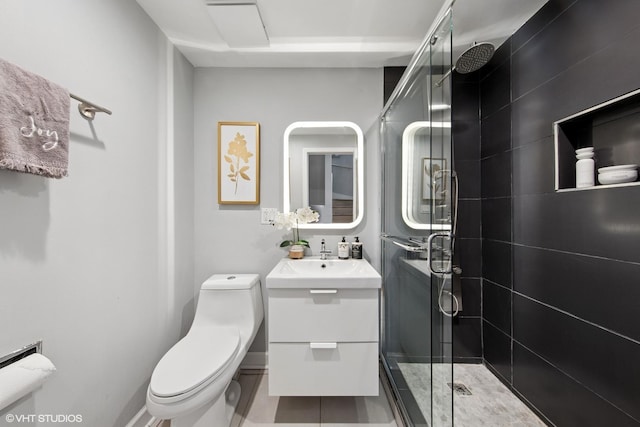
313,272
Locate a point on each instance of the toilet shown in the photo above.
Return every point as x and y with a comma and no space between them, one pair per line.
192,384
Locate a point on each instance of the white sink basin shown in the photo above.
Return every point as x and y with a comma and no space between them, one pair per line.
313,272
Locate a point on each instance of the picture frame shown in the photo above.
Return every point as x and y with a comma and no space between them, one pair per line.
238,163
429,167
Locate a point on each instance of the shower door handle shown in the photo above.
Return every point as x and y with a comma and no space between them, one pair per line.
430,251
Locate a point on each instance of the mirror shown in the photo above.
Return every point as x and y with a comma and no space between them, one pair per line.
426,176
323,170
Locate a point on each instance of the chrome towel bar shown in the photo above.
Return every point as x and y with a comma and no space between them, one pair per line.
88,109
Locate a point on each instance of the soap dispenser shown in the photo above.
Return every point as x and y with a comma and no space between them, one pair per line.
343,249
356,249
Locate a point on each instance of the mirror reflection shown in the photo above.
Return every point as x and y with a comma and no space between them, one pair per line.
323,170
329,189
426,176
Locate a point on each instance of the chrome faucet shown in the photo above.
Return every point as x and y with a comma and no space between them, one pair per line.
323,250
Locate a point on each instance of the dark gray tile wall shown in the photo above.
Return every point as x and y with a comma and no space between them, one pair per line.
496,170
467,326
560,270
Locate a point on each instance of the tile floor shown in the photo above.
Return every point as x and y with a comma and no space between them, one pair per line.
491,403
257,408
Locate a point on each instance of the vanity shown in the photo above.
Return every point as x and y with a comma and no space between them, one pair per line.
323,327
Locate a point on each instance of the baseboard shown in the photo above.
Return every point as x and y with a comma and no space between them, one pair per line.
144,419
255,360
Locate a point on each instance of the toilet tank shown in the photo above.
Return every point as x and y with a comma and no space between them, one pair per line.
231,300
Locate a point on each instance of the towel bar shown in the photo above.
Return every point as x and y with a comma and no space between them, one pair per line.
410,245
88,109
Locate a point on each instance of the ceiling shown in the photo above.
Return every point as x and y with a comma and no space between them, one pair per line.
329,33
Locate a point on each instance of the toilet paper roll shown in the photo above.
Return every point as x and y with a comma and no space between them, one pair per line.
23,377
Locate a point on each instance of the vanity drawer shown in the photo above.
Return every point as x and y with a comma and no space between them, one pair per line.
304,315
334,369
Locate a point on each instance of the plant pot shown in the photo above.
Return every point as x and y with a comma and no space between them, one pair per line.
296,252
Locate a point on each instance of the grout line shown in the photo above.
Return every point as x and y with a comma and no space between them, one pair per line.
497,197
522,245
498,284
578,318
498,329
618,334
527,402
541,29
574,379
482,319
499,153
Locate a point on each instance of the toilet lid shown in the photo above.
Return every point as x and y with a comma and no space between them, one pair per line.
195,360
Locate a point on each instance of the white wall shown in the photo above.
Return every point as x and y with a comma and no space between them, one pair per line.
230,238
83,260
183,202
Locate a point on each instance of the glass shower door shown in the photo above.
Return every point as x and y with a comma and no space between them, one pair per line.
443,212
416,246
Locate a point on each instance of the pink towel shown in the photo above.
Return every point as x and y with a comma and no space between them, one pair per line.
34,123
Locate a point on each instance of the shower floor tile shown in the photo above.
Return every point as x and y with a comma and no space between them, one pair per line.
490,403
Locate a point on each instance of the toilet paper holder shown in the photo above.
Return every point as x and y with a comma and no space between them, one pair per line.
21,353
22,372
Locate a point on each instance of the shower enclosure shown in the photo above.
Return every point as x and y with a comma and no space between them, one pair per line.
418,221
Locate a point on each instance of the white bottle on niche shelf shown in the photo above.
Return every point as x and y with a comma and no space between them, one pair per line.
585,168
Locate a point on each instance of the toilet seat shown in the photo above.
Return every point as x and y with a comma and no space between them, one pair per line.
193,363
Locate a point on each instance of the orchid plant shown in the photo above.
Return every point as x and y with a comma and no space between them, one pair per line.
291,221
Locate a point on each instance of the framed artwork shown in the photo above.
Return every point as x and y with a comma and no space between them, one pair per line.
434,183
238,163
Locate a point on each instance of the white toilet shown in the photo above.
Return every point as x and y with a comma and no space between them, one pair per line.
192,384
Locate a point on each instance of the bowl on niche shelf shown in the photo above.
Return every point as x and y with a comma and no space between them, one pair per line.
617,168
617,174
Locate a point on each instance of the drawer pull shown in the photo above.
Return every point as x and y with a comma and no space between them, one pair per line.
323,291
323,345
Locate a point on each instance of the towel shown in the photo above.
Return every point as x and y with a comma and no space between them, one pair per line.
34,123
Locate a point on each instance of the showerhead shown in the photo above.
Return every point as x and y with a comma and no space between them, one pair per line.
474,58
471,59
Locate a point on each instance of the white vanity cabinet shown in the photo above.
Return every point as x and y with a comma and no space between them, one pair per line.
323,341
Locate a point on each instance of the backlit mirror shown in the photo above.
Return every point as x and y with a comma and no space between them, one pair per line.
426,176
323,170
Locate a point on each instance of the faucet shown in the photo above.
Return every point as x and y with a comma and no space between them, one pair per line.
323,251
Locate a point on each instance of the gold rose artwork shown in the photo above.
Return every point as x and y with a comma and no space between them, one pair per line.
238,163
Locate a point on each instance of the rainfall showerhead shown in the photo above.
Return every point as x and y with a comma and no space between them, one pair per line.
474,58
471,59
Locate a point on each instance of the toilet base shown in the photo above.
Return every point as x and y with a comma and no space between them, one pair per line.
218,413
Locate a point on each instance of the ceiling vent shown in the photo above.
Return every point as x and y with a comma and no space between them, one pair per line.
239,23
